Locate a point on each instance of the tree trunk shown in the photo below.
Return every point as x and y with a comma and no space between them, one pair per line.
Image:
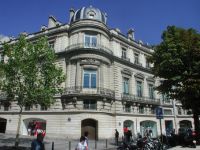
18,128
196,123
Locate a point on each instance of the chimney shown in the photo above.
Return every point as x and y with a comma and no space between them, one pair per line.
71,13
131,34
52,22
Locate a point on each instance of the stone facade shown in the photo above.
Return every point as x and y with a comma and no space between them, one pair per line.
108,84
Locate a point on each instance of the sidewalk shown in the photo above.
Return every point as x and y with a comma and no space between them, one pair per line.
184,148
59,144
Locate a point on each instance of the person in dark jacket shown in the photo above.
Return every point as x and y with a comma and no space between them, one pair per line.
116,136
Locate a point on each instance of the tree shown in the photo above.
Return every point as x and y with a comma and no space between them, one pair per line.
177,61
30,75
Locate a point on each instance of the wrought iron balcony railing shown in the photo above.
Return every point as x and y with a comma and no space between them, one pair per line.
145,100
80,90
89,46
125,58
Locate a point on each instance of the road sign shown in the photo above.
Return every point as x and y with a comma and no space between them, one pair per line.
159,113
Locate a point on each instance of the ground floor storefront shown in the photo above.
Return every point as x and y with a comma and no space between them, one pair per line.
99,125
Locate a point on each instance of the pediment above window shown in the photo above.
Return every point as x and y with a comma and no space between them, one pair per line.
150,79
139,76
127,72
90,61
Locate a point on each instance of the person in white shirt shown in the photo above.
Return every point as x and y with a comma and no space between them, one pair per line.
80,145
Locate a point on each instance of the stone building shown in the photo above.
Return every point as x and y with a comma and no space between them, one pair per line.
109,83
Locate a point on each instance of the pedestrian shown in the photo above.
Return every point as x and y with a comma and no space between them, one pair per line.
86,141
125,133
116,137
29,128
80,145
38,144
129,136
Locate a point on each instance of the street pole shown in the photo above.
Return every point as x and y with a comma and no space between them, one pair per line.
161,134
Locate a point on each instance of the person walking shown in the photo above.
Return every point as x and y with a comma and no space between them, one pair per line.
86,141
80,145
38,144
116,137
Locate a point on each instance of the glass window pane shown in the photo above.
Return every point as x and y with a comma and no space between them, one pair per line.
151,92
94,41
86,80
93,80
87,41
139,89
126,85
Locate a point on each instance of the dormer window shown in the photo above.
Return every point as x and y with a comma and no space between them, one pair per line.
124,53
51,44
136,56
91,14
90,41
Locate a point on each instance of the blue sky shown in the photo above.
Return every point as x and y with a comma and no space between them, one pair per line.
148,17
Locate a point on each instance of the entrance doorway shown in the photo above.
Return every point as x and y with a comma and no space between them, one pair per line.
3,123
33,126
90,126
130,125
147,127
168,127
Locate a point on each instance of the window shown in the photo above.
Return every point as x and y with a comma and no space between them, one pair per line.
141,109
124,53
127,108
126,85
179,111
147,64
90,104
43,107
153,110
167,112
90,41
139,88
51,44
91,14
27,108
165,99
151,91
136,56
6,107
89,80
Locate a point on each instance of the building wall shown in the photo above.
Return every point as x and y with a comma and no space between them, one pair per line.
65,116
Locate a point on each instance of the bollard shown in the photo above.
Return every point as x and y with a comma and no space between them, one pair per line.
95,144
52,146
106,143
69,145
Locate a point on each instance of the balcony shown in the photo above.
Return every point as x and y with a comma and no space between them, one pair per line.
86,46
137,63
94,92
136,99
125,58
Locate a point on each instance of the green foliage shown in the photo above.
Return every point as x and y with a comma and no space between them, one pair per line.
30,75
177,61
